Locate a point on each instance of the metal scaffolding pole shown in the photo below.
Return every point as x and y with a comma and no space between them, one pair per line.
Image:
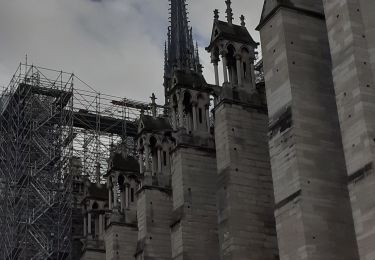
34,165
52,133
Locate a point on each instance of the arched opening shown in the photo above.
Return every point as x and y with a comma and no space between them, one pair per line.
174,111
245,63
121,180
188,111
154,154
232,65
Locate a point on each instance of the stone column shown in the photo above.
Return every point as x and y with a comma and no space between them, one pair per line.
100,226
110,198
96,226
115,202
122,198
239,70
141,164
194,116
252,74
216,69
127,199
208,119
147,158
225,71
85,226
89,225
174,120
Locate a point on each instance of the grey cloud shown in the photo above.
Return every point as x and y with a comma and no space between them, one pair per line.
114,45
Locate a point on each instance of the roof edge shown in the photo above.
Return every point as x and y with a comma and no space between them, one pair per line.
305,11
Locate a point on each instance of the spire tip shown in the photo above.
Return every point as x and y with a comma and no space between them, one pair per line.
229,11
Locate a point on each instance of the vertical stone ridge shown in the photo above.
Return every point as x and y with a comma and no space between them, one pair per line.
304,132
351,31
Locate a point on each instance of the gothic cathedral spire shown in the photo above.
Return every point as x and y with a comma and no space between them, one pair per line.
181,53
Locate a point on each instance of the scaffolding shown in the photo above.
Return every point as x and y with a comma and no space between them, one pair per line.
48,117
34,168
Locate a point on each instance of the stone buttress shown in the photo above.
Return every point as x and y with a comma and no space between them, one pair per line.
313,212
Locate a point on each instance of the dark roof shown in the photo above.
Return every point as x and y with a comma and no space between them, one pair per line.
128,164
189,79
234,32
152,124
271,6
97,191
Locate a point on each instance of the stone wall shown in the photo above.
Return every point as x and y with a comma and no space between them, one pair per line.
245,194
154,212
120,241
351,30
313,213
94,255
194,219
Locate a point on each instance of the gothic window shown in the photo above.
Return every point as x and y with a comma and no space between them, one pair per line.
200,115
95,205
132,194
165,158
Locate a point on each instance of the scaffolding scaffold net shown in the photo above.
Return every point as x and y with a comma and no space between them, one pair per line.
50,120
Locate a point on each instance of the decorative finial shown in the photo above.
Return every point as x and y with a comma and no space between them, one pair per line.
153,104
165,56
229,11
242,18
216,14
97,173
197,51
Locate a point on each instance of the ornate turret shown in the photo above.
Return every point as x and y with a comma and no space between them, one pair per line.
180,52
234,46
186,91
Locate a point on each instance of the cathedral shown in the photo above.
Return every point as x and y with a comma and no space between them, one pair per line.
273,160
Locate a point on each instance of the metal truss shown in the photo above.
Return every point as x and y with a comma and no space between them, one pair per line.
35,120
48,117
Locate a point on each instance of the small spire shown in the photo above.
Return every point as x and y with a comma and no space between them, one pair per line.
242,18
229,11
165,56
216,14
198,63
197,52
97,173
153,104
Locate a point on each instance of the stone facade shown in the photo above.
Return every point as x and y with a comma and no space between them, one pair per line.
351,30
245,193
248,168
120,241
313,213
154,218
194,226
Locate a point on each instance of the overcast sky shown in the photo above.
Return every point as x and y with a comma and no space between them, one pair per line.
116,46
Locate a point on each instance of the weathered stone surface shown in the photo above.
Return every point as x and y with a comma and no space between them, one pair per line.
245,194
313,213
93,255
154,213
194,223
351,31
120,241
